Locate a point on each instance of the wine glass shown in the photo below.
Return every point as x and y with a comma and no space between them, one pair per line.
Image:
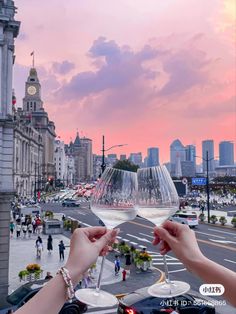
157,200
114,202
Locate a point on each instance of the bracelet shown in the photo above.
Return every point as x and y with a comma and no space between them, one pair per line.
67,279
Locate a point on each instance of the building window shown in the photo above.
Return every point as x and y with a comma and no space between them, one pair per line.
34,106
31,105
27,106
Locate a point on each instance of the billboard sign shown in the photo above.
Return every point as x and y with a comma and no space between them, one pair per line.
198,181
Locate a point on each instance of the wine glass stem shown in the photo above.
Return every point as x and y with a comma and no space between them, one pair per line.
100,274
167,279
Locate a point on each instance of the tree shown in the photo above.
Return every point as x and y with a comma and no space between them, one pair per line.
126,165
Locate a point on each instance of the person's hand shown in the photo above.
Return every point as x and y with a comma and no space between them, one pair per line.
180,239
85,246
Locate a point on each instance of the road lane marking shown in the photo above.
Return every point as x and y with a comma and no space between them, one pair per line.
222,231
212,235
83,223
228,260
146,235
199,240
138,238
134,243
176,271
169,264
223,241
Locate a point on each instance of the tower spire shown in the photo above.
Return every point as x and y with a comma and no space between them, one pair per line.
33,61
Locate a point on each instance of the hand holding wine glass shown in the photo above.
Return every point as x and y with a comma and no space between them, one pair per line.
114,202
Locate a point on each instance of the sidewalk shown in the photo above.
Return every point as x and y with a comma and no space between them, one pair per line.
23,252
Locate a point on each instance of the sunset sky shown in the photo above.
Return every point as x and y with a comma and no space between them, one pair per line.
141,72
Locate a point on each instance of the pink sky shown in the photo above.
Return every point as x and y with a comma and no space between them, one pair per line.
140,72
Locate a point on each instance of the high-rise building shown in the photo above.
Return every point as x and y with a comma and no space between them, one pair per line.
136,158
177,154
9,29
208,146
153,157
123,157
111,160
190,155
226,151
60,160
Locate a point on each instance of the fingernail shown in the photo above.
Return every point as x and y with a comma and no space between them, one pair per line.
117,230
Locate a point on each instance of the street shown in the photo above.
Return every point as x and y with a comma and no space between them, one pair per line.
217,243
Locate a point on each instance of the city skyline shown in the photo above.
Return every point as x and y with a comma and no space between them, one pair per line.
127,72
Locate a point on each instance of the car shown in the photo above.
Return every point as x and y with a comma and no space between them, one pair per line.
25,292
140,302
69,202
185,217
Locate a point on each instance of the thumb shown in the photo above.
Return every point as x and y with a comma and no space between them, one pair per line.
108,238
164,235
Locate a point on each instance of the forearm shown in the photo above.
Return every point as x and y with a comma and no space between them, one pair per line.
49,299
211,272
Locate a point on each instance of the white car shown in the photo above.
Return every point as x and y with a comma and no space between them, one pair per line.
188,218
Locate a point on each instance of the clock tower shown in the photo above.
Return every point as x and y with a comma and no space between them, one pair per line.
32,101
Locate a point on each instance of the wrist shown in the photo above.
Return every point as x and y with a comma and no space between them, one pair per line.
75,274
195,263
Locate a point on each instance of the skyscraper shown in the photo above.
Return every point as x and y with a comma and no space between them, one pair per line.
190,156
136,158
208,146
226,151
177,154
153,156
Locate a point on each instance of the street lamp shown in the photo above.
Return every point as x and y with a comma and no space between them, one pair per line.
103,165
207,159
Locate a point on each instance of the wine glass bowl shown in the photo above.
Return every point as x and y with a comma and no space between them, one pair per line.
157,201
114,199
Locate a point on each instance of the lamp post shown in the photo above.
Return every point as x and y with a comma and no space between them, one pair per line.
35,183
207,159
103,165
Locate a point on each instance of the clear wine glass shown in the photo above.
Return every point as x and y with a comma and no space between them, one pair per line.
157,200
114,202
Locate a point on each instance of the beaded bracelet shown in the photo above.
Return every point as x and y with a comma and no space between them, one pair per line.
67,279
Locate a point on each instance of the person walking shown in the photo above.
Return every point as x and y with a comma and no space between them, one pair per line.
30,229
12,227
128,261
117,265
24,229
18,230
49,244
61,250
39,247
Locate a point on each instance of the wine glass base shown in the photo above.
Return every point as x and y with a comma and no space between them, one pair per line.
168,290
96,299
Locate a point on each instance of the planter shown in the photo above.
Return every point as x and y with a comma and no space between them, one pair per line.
144,265
32,276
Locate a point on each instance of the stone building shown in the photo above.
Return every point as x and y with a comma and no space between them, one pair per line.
28,156
9,29
33,107
81,150
60,161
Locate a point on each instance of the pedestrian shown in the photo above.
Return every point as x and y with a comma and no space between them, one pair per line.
12,227
49,244
18,230
39,247
48,276
128,260
34,226
63,218
30,229
117,265
61,250
24,229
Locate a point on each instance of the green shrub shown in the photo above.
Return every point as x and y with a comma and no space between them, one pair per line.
222,220
213,219
202,217
233,221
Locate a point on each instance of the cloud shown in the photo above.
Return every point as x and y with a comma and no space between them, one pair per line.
121,67
63,68
186,69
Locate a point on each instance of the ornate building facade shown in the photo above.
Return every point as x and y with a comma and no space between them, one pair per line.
28,157
81,151
9,29
39,120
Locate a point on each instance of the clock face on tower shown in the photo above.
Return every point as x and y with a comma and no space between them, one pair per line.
31,90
